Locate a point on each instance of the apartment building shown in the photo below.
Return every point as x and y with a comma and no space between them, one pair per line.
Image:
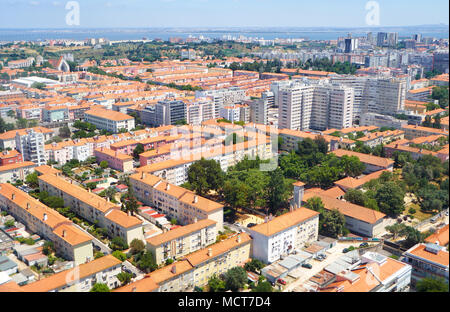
109,120
18,171
175,201
8,139
374,273
427,260
69,241
358,219
10,157
259,108
31,146
181,241
116,160
373,163
93,208
295,106
413,132
166,112
81,278
196,268
223,97
282,235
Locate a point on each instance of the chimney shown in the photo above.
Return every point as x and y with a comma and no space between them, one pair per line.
45,217
238,240
195,199
195,220
134,289
13,196
174,269
142,175
64,233
209,252
28,206
167,187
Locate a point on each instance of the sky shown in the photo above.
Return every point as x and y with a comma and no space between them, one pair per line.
220,13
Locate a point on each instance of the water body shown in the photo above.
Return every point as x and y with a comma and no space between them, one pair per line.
138,34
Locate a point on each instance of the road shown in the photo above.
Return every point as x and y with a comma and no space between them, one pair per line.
133,269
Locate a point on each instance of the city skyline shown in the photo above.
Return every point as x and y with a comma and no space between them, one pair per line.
211,13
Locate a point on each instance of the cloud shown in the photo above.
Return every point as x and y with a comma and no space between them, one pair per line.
34,3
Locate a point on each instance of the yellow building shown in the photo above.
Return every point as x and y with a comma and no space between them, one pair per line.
93,207
69,241
183,240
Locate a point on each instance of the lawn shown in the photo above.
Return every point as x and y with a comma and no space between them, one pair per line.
419,215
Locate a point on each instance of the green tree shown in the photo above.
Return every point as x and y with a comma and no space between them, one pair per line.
119,255
390,198
118,243
139,149
235,278
48,248
205,175
32,180
396,229
216,284
352,166
65,132
263,287
146,262
278,189
136,246
99,287
104,164
254,266
430,284
332,223
124,277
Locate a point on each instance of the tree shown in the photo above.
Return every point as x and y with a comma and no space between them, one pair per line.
254,266
32,180
278,190
352,166
390,199
65,132
104,164
136,246
119,255
356,197
124,277
315,203
139,149
205,175
322,144
263,287
396,229
332,223
146,262
235,278
413,236
99,287
118,243
430,284
216,284
38,85
11,114
91,185
48,248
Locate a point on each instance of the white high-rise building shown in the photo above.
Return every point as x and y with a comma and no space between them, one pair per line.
304,106
31,146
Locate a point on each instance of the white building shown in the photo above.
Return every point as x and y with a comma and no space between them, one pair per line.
109,120
31,146
284,234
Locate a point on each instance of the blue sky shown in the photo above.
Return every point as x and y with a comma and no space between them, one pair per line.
219,13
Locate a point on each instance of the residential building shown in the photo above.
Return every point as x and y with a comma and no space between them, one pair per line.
181,241
175,201
31,146
69,241
427,260
116,160
8,139
18,171
93,208
81,278
109,120
373,163
282,235
10,157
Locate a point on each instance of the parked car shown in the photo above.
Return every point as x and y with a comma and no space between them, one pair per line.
345,250
364,245
251,225
307,265
237,224
281,281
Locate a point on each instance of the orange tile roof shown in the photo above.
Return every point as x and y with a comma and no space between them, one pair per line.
121,218
365,158
147,284
348,209
14,166
108,114
284,221
179,232
442,257
441,236
201,256
351,183
82,271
